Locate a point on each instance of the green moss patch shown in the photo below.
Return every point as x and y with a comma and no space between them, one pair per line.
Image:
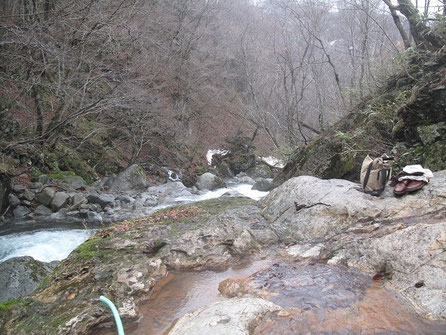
92,249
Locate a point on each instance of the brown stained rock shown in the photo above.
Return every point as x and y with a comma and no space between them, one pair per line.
377,312
231,288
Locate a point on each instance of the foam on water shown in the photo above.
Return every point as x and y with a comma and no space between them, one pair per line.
43,245
244,189
247,191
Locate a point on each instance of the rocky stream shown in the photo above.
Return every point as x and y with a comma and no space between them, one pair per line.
312,257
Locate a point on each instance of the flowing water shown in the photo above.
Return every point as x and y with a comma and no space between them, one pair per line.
44,245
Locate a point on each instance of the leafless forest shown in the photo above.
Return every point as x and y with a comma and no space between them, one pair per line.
145,73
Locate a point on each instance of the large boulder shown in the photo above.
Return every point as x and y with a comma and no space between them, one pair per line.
132,179
209,181
20,276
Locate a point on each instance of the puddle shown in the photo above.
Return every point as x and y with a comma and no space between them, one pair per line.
317,299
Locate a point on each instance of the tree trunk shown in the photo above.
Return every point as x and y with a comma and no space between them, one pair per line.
398,23
423,36
39,114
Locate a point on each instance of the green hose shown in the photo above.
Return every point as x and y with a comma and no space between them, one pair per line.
115,314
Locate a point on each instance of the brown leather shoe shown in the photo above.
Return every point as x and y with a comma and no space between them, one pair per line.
401,187
415,185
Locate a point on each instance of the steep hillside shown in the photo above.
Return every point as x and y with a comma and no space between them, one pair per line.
406,119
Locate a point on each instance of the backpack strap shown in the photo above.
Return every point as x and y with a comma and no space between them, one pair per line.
384,173
367,176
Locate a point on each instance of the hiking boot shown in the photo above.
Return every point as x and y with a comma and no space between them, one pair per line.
415,185
401,187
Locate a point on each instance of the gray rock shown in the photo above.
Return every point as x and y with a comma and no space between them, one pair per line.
85,207
101,199
43,179
20,276
260,170
263,185
126,199
244,243
133,178
18,188
13,200
21,211
46,196
97,208
78,200
246,180
36,185
75,182
73,213
232,316
232,194
90,216
59,216
28,195
208,181
60,199
150,201
26,203
164,194
42,211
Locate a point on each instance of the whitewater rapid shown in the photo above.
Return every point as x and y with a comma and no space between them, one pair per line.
44,245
